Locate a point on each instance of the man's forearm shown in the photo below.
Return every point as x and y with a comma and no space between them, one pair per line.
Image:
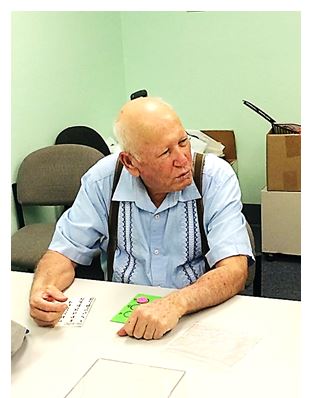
214,287
54,269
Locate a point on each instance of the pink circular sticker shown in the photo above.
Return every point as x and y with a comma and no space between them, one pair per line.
142,300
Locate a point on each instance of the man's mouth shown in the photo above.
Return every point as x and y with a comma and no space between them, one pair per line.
184,176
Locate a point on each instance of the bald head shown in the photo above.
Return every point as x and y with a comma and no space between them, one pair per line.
141,121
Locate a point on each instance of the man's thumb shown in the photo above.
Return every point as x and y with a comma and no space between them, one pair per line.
53,293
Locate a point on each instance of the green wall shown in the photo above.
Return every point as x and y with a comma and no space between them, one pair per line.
80,67
67,69
206,63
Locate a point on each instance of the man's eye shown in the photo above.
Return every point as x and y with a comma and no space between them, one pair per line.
183,142
165,152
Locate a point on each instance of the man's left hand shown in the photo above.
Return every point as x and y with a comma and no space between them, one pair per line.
152,320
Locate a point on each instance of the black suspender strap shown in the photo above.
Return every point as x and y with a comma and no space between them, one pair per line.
197,177
113,220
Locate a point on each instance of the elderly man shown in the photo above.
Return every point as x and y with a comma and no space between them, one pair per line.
158,233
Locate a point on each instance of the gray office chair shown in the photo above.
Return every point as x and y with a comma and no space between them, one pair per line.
255,270
47,177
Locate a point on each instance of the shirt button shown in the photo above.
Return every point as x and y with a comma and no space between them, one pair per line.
156,252
157,216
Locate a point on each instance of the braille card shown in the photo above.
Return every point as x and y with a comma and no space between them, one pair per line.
126,311
77,311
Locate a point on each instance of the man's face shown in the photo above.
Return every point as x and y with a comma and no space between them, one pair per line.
165,163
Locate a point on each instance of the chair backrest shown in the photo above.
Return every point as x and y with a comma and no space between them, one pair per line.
83,135
51,176
252,267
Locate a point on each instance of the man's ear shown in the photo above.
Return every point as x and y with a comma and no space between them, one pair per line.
129,163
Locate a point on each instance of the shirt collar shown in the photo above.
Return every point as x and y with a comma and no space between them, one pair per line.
131,189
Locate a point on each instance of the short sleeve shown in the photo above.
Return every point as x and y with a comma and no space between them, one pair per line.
81,229
224,222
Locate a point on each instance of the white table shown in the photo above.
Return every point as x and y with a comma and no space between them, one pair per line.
52,360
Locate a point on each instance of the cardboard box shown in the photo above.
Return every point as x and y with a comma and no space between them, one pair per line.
283,162
281,222
227,138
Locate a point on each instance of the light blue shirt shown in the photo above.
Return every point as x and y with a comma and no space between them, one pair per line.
156,246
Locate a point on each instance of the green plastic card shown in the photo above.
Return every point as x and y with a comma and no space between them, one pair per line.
126,311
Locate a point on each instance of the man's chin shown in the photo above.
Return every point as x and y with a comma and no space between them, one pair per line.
180,185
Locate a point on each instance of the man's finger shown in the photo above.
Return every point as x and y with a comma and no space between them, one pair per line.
41,322
149,333
140,329
122,332
129,326
46,316
48,306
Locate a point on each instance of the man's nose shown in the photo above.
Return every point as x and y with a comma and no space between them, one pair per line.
180,159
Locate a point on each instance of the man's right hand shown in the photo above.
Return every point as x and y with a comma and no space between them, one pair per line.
47,305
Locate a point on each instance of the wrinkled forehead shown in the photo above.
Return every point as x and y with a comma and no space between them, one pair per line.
161,140
162,132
